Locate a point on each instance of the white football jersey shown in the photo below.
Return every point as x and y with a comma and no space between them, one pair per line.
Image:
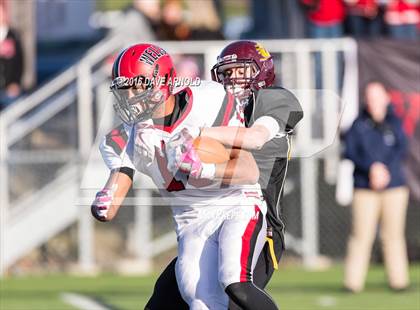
207,105
113,145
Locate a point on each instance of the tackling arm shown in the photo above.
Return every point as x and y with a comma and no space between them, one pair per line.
278,111
240,169
248,138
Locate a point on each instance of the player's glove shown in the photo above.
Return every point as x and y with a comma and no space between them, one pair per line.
102,203
182,156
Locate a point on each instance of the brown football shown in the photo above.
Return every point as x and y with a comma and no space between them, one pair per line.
210,150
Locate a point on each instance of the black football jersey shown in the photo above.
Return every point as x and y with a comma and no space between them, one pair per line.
273,158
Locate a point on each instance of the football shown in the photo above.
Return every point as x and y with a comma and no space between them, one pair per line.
210,150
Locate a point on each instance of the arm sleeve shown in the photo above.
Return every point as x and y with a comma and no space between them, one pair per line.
127,171
113,148
111,158
270,124
352,150
281,105
400,147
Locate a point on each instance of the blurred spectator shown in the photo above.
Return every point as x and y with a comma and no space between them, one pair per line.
364,18
325,18
268,20
140,22
186,66
11,61
377,145
402,18
220,10
203,20
172,25
413,159
295,19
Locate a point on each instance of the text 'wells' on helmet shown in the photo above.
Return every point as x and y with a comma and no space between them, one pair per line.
142,78
245,53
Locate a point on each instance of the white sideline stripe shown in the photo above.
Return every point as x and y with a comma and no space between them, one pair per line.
327,301
82,302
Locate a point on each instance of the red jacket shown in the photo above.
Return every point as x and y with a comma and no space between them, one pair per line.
325,12
401,12
367,8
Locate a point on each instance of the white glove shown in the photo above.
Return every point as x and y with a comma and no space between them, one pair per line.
183,157
176,148
102,203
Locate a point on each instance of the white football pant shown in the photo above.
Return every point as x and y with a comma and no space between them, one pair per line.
220,247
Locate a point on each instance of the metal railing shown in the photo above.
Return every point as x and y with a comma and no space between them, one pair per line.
70,88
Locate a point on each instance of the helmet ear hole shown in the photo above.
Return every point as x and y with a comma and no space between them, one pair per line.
156,71
170,80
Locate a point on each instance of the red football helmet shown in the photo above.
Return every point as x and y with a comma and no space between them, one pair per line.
142,79
255,60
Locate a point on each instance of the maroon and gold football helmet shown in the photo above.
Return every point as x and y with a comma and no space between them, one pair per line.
255,60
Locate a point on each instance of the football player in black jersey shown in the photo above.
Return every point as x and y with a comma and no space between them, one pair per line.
246,69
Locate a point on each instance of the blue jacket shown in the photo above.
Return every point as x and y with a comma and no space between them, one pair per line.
367,142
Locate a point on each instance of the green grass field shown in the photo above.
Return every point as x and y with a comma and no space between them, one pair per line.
292,288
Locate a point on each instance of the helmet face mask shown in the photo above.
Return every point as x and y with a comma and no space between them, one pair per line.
133,105
237,77
135,102
256,63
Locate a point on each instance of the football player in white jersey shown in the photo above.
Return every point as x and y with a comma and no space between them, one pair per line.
219,228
